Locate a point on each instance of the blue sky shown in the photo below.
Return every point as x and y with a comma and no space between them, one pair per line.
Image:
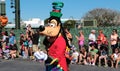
72,8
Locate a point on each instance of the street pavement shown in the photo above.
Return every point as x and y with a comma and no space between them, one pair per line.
28,65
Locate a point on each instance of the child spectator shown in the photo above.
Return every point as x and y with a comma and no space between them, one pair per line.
30,46
103,55
75,55
115,58
6,54
13,51
25,47
82,56
89,59
94,53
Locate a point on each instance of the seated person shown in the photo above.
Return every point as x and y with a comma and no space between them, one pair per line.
115,58
89,60
74,56
13,51
82,56
103,55
94,53
6,53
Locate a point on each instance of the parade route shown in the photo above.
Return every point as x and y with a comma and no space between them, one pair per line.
28,65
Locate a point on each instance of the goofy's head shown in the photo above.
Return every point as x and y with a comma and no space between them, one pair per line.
53,27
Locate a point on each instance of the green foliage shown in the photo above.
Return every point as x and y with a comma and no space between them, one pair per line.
105,17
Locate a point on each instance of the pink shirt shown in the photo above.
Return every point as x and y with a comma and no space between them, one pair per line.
81,40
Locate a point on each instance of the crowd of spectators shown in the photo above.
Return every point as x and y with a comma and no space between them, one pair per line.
28,41
95,53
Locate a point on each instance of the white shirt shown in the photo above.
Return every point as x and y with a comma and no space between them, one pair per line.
92,37
4,38
75,55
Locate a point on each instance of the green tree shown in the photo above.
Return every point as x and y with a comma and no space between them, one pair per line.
104,17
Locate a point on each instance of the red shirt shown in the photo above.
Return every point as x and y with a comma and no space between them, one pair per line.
57,50
100,39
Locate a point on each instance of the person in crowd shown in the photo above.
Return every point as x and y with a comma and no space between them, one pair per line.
82,56
12,45
80,39
25,47
13,51
91,38
114,40
21,43
7,38
69,36
6,53
105,40
89,59
103,54
74,56
30,46
115,58
100,38
93,54
29,31
1,50
4,40
35,41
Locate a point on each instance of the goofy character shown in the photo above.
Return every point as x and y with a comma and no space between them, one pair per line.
55,41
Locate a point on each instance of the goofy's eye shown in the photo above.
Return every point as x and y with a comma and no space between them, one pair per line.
52,25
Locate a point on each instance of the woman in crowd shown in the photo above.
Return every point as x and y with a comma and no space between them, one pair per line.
80,39
114,40
100,38
69,36
91,38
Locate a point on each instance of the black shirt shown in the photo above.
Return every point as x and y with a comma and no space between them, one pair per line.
35,38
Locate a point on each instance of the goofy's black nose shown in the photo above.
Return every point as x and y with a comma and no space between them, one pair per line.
41,28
